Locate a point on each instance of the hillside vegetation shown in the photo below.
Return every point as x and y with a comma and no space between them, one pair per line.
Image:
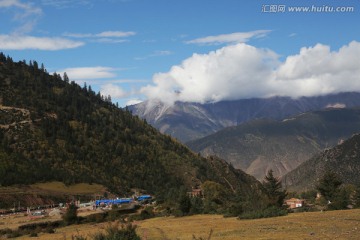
342,160
260,145
51,129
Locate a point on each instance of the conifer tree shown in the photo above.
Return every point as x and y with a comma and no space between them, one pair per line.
273,189
70,216
65,77
328,185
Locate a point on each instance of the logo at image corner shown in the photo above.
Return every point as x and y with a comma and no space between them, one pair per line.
277,8
272,8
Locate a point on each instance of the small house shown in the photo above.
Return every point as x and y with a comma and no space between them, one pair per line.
295,203
195,193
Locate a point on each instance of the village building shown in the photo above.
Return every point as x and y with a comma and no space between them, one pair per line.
195,192
295,203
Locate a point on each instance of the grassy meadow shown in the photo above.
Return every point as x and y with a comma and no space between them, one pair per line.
344,224
315,225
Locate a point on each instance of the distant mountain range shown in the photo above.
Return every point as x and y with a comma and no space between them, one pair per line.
190,121
259,145
343,159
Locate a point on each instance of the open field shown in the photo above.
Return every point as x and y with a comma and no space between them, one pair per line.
13,221
315,225
16,220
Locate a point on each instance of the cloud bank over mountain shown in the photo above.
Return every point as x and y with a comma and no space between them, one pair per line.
243,71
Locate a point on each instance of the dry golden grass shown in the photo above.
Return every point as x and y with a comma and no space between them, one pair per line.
66,233
14,221
316,225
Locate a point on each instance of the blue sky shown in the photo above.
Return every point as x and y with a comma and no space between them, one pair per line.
189,50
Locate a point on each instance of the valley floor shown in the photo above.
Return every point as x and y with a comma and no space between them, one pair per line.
315,225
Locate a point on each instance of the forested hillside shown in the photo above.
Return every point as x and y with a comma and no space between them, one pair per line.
344,160
53,129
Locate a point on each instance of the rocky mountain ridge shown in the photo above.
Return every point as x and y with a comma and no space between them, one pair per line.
259,145
190,121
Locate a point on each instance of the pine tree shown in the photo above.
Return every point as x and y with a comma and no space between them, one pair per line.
341,199
43,68
2,57
65,77
184,204
328,185
273,189
357,196
36,66
70,215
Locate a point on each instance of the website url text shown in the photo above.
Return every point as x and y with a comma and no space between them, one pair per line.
273,8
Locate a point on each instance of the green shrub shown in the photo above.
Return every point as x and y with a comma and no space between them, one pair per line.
5,231
14,234
70,216
265,213
146,213
50,230
33,234
97,217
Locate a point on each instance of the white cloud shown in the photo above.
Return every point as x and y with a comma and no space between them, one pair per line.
106,34
78,35
85,73
113,90
237,37
336,105
115,34
19,42
243,71
28,8
155,54
26,14
223,74
97,76
103,37
318,70
110,40
133,102
162,53
129,81
61,4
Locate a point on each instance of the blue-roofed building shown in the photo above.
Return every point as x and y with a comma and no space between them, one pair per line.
144,197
